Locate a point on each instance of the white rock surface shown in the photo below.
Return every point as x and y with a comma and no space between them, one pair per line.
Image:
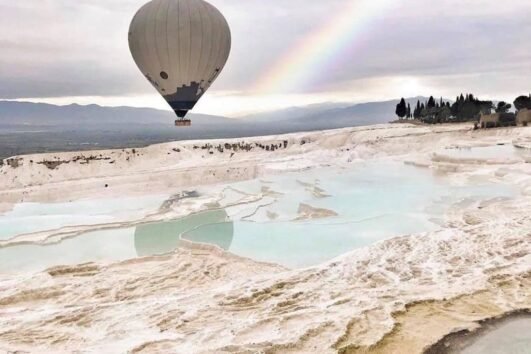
399,296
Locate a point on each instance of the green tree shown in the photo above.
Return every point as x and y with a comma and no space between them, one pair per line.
416,112
485,107
455,107
431,102
443,114
467,110
522,102
401,109
503,107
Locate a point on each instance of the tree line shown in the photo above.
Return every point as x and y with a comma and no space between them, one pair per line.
464,109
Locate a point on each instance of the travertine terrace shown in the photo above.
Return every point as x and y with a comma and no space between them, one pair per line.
397,296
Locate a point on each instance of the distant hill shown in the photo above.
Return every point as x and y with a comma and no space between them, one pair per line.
91,116
293,113
81,117
37,127
335,115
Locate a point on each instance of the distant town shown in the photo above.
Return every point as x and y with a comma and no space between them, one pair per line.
468,108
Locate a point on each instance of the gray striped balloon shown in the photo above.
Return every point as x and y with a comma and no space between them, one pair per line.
180,46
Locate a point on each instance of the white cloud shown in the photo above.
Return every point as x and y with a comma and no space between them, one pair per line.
68,49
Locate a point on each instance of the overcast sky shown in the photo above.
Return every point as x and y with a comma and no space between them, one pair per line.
66,51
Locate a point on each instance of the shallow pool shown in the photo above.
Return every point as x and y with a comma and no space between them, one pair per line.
506,151
301,219
512,337
372,202
36,217
112,245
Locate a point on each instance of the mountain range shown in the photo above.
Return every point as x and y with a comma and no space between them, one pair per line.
27,127
15,113
88,117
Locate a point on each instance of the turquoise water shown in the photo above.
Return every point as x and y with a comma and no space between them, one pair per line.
93,246
373,202
35,217
300,244
112,245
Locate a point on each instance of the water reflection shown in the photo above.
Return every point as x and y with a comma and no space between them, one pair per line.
116,245
373,201
161,238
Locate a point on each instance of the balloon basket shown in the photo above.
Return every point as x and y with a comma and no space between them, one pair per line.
183,123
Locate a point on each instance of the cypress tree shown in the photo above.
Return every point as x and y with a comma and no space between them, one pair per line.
401,109
416,113
431,102
455,108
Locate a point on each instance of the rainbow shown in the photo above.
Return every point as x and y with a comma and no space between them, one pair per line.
310,59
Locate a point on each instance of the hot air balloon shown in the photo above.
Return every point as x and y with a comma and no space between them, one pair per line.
181,46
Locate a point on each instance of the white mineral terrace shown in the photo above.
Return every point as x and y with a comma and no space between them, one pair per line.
462,258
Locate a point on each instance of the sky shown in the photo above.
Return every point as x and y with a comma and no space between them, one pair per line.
284,52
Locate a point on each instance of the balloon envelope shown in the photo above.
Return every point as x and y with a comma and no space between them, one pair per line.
180,46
